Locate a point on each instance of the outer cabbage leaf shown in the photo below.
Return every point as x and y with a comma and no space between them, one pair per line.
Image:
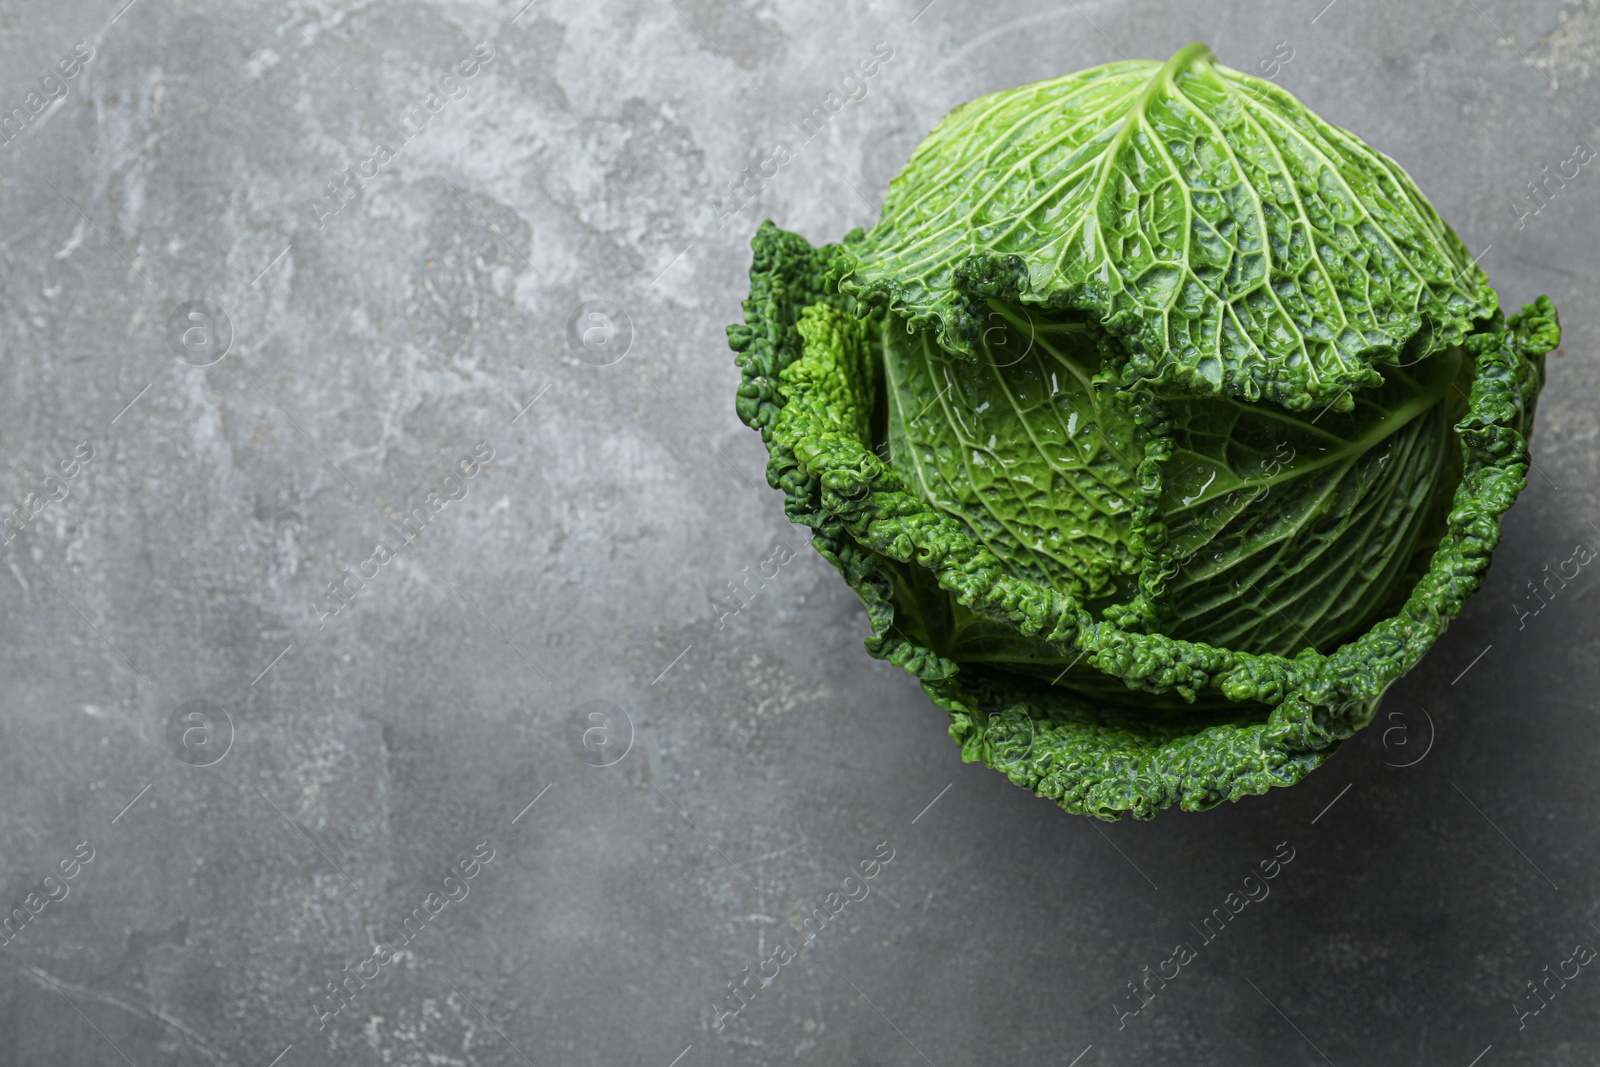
1234,242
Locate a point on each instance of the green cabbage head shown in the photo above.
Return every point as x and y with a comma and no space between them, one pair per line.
1160,424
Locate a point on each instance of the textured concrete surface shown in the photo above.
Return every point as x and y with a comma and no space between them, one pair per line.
271,784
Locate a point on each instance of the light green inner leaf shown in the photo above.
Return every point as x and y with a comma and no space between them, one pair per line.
1237,244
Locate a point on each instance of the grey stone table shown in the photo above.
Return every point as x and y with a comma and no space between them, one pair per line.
424,303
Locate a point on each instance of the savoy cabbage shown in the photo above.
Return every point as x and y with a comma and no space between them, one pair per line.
1160,424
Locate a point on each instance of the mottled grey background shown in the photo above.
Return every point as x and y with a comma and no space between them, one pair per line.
369,353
